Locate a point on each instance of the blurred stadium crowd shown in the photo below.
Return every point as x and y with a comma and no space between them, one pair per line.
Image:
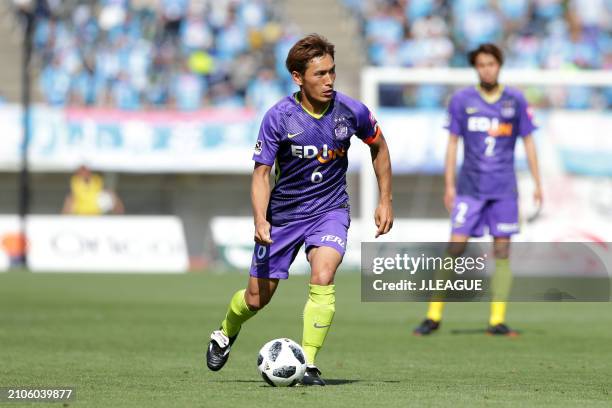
552,34
548,34
186,54
169,53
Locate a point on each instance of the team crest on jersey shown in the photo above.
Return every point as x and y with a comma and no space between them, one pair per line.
508,110
341,129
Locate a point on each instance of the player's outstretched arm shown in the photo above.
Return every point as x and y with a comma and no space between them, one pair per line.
260,196
381,161
532,161
450,164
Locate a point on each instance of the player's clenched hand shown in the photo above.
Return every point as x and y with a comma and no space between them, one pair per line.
383,217
449,198
262,232
537,196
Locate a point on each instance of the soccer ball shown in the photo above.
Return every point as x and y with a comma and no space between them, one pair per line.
281,363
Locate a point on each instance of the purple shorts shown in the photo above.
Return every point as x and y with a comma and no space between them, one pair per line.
328,229
470,215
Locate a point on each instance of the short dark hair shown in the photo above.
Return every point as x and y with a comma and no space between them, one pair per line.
487,48
309,47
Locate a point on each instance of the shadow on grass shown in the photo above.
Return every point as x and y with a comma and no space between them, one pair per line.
336,381
329,382
468,331
332,382
481,331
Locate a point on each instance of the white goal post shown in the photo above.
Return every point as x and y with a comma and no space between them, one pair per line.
373,77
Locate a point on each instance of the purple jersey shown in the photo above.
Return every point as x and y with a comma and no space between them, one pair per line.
310,154
489,131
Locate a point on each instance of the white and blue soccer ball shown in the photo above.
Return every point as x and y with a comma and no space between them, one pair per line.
281,362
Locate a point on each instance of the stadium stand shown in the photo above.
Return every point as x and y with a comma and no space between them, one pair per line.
167,54
187,54
548,34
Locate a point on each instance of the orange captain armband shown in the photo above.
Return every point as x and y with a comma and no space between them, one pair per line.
371,139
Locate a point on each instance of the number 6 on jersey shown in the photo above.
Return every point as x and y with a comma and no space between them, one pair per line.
316,176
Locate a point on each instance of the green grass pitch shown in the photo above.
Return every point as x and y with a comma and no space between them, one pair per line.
130,340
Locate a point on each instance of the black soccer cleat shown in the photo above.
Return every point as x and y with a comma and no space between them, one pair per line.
312,377
218,349
426,327
501,330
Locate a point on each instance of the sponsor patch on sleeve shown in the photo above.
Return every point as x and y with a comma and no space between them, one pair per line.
257,149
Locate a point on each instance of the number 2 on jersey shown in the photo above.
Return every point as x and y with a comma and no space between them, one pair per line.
490,142
461,212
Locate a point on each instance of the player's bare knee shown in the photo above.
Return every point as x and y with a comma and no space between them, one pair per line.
501,253
456,249
501,249
324,275
322,281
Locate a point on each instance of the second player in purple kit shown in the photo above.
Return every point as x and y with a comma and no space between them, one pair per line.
489,118
486,187
306,138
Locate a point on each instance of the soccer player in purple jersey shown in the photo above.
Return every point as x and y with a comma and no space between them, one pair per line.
489,118
306,136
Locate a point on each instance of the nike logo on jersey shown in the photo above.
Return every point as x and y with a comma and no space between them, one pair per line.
318,326
292,135
470,111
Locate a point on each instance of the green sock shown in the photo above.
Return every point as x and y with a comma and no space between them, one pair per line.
237,313
501,282
318,315
436,305
434,311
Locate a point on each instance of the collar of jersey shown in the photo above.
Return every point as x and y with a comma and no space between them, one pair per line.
490,99
314,115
